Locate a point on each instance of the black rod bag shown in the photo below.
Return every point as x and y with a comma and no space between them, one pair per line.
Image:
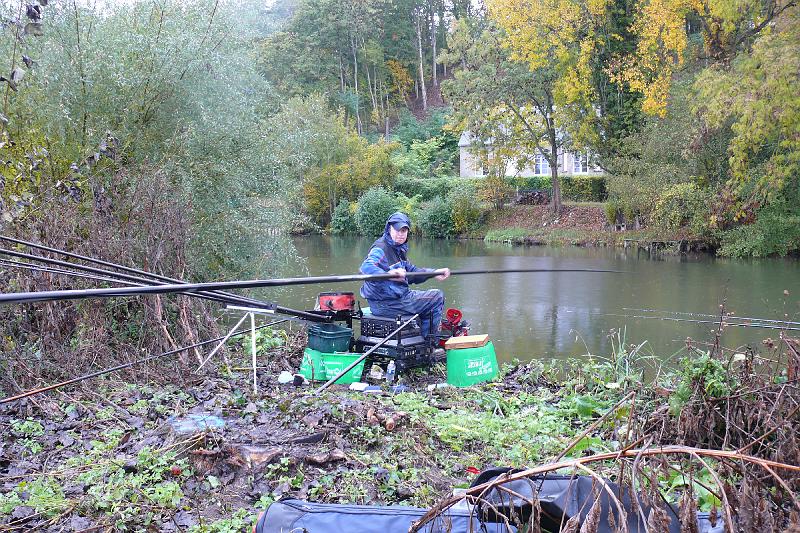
562,497
296,516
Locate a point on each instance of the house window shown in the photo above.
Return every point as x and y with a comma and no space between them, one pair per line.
580,164
541,166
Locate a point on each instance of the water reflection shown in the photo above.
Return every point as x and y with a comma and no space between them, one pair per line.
563,314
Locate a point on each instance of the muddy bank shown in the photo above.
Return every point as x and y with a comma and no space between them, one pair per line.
208,454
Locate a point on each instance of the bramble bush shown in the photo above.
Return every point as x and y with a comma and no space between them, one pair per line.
776,231
682,205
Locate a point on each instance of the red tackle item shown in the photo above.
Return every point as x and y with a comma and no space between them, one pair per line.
335,301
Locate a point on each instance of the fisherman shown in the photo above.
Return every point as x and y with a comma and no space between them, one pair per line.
393,297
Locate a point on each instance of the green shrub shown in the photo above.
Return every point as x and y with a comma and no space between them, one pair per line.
531,182
426,188
776,231
343,221
612,209
435,218
682,205
466,211
584,188
374,207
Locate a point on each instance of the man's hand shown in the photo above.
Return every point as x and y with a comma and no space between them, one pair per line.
399,274
445,273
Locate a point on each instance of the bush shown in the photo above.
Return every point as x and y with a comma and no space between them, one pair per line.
435,218
776,231
343,221
584,188
612,209
426,188
374,207
682,205
466,212
531,182
496,190
366,165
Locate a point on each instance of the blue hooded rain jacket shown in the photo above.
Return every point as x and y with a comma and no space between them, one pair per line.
385,255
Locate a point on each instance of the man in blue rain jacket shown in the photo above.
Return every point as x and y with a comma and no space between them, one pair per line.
394,297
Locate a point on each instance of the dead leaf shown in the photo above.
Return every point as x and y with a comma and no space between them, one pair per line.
325,458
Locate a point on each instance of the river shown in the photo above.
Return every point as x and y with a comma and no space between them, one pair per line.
558,315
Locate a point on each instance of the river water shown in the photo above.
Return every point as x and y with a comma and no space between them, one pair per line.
557,315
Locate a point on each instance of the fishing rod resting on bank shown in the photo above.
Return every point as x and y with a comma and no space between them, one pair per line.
196,288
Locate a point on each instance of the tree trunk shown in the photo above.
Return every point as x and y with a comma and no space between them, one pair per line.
432,18
552,158
421,64
355,81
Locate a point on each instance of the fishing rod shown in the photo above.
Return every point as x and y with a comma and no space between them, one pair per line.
725,323
112,265
229,298
36,268
132,363
734,317
137,281
200,288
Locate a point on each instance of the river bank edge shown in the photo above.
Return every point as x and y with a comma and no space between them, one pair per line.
130,456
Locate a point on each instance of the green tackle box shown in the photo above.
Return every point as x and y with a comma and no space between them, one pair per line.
468,366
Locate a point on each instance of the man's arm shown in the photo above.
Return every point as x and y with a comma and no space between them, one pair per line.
411,267
374,264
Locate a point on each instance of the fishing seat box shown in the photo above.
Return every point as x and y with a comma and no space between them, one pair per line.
381,326
295,516
410,352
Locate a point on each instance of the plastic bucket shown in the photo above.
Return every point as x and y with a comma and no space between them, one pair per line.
329,338
468,366
336,362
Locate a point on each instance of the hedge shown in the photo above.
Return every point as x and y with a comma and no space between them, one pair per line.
576,188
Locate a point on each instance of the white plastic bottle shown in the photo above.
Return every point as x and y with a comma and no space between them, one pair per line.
390,371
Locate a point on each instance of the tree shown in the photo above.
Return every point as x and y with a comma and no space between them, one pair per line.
760,94
509,109
662,28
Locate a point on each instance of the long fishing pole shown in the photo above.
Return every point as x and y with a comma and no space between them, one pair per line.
36,268
726,316
724,322
199,288
137,281
116,265
130,364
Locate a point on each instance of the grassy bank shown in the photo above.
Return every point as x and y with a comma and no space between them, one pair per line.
579,224
115,454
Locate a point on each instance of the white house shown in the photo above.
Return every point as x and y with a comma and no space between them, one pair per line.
569,163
